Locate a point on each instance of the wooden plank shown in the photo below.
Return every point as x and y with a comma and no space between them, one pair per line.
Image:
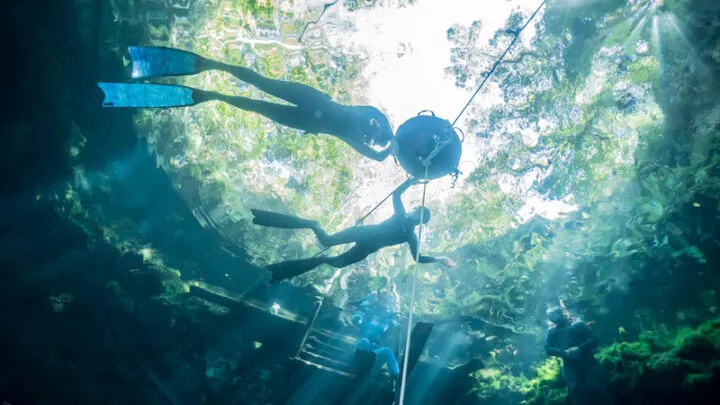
229,299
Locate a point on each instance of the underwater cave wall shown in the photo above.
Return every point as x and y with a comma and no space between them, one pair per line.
81,320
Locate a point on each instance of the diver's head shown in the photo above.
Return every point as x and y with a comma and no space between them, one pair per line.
556,315
378,130
417,213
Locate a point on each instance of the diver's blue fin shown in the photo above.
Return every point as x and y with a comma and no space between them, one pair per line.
418,338
146,95
151,61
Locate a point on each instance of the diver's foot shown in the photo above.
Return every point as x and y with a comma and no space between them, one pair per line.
204,64
315,227
201,96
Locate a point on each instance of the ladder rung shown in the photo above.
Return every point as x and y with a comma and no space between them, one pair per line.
341,348
343,339
322,367
309,347
319,359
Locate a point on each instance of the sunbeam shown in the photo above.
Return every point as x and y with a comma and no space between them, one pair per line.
670,25
638,29
657,44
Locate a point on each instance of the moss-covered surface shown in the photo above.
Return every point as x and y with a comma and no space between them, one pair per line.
500,385
683,368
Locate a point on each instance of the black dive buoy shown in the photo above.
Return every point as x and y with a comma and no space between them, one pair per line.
422,135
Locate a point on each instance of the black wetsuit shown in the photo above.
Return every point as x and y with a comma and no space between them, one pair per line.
582,373
313,111
368,239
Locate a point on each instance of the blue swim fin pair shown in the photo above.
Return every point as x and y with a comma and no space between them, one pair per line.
154,62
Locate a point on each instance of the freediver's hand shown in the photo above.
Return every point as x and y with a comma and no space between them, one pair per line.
393,146
446,261
346,319
572,353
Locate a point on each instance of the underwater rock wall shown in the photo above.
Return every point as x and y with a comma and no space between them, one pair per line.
85,319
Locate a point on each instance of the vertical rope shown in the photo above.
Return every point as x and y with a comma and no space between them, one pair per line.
403,382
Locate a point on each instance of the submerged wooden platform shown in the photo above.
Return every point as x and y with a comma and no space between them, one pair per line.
322,366
237,302
323,371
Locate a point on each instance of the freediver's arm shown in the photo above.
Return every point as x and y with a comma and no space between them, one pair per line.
397,197
413,243
554,351
549,348
591,342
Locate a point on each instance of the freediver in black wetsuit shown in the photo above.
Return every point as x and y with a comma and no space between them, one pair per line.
574,342
312,111
367,239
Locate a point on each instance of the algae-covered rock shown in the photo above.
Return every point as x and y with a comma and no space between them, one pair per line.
548,387
683,369
498,385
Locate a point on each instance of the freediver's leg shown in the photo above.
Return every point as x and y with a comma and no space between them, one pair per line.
352,256
288,269
382,356
386,356
363,344
296,93
364,360
291,268
287,115
275,220
594,382
349,235
572,377
152,61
